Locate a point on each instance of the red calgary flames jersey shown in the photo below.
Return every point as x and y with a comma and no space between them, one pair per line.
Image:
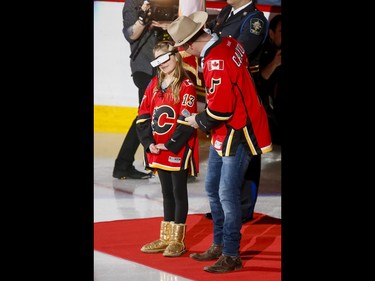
161,120
234,112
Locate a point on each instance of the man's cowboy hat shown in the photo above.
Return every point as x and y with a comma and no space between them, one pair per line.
184,28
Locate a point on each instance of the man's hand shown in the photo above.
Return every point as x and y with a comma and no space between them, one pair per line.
162,24
144,13
191,121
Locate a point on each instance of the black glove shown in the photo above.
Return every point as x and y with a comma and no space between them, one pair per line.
144,16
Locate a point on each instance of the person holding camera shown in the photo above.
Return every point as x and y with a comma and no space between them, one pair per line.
142,33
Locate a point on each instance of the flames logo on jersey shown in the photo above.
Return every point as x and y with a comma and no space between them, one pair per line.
163,119
215,65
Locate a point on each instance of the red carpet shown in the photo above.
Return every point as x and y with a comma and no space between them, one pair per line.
260,247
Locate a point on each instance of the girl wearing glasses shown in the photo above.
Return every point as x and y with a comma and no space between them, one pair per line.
170,144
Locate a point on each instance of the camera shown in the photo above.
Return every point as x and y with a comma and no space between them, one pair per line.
164,10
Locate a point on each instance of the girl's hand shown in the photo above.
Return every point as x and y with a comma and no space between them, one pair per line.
154,149
161,146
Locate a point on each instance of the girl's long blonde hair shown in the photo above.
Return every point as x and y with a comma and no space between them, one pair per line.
179,73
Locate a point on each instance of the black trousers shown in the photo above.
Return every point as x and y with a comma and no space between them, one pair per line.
249,190
175,195
126,155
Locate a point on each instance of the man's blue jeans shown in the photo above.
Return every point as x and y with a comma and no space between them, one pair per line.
224,178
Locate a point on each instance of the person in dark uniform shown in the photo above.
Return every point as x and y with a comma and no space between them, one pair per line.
242,20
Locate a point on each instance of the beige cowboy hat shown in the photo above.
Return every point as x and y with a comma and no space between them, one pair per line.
184,28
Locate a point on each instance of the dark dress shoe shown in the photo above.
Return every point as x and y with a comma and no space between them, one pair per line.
225,264
133,173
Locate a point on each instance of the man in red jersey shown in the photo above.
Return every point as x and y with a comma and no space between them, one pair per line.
237,122
242,20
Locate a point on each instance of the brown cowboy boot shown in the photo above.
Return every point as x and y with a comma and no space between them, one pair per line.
176,245
213,253
225,264
161,244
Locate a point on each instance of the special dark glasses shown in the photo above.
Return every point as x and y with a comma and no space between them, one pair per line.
161,59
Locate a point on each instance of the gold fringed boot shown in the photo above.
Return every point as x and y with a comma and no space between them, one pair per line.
176,245
161,244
